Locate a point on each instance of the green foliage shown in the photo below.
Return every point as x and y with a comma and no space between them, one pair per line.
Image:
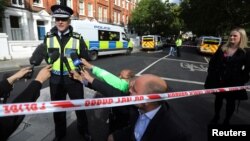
156,17
215,17
3,3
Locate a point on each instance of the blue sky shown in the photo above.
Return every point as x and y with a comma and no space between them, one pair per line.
174,1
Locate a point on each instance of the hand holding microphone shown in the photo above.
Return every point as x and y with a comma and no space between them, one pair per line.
76,61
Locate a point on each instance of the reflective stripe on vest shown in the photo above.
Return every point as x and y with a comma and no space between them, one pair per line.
72,45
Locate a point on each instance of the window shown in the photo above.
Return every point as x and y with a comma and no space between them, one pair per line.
70,4
108,35
126,4
119,18
123,3
38,2
105,15
16,30
58,2
18,3
82,8
90,10
115,17
117,2
100,13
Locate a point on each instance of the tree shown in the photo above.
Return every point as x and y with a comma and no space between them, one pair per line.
155,17
3,4
213,17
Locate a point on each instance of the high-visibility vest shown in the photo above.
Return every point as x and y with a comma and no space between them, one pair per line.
73,45
178,42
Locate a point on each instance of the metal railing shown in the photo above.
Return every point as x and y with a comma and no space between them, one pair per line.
17,33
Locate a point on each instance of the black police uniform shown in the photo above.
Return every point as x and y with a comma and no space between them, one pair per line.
61,84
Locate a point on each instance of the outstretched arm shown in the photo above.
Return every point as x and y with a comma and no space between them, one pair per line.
32,92
6,85
9,124
107,77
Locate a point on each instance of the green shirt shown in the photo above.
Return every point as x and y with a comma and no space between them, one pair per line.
111,79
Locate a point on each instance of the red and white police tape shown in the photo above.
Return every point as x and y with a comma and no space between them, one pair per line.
85,104
183,45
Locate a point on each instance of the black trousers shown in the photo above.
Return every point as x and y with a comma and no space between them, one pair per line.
230,106
75,91
178,52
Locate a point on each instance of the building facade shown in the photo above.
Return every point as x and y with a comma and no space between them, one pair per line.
31,19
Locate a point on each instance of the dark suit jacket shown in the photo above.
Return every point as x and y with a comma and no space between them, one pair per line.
165,126
120,115
9,124
5,88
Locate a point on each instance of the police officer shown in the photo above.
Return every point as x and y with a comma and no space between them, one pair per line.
178,44
63,40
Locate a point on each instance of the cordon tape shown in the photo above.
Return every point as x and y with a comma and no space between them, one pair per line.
95,103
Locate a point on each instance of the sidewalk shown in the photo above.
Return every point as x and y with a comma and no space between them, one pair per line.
6,65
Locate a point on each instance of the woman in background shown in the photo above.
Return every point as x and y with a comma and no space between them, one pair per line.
228,67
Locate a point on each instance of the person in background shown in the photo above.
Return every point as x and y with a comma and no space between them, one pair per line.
63,40
9,124
172,47
178,44
229,67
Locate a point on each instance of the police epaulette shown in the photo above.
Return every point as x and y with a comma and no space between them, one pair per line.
76,35
49,34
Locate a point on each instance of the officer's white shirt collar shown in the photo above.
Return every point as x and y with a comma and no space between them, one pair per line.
64,33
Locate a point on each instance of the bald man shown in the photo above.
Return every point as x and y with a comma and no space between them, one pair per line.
155,121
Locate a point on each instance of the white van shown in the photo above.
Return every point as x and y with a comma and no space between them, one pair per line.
103,39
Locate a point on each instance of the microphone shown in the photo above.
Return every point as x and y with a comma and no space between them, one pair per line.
76,61
53,57
35,60
65,61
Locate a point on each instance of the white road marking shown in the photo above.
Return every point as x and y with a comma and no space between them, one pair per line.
154,51
179,80
180,60
206,59
139,73
183,81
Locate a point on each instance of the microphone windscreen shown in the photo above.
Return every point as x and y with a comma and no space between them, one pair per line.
38,55
75,59
54,56
36,59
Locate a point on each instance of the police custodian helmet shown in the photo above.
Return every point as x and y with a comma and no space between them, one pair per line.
59,11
